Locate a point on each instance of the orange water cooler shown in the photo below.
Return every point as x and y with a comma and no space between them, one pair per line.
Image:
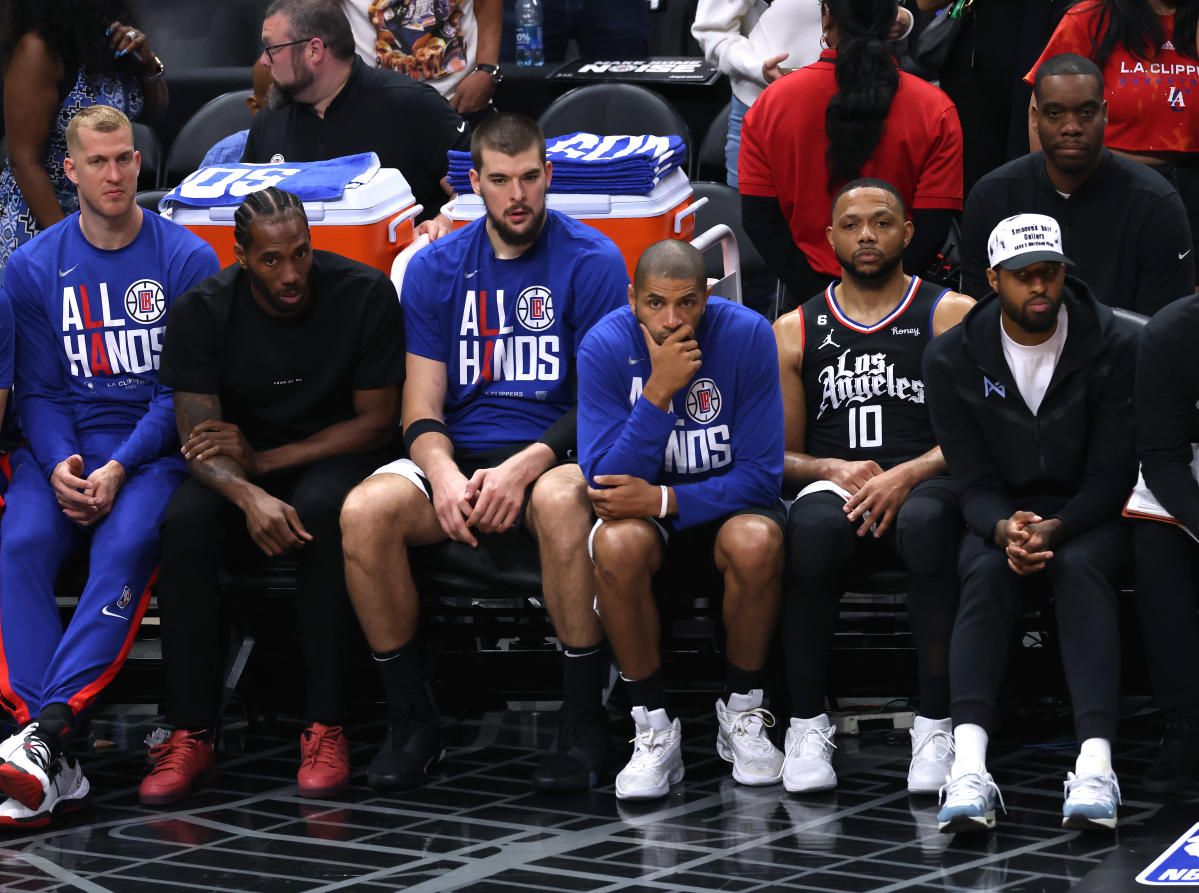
633,222
372,222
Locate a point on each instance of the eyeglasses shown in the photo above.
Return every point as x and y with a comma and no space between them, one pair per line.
270,49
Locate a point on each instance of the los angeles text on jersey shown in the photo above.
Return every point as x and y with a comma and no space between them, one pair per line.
101,337
694,450
866,377
489,348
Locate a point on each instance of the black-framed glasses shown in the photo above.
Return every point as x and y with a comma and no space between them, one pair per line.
270,49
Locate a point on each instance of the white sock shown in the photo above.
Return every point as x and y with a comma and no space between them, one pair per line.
923,725
1094,757
816,722
970,750
739,703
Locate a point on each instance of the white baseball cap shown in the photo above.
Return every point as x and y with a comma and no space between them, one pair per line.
1023,240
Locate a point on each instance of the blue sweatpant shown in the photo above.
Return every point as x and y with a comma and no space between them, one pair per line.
40,663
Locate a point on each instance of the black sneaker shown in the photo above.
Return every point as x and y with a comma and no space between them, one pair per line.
1173,768
410,749
580,750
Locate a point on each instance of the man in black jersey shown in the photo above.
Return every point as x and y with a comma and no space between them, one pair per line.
861,447
1031,401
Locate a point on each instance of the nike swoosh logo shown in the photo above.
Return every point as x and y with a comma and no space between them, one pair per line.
470,274
62,273
105,610
633,361
462,127
1180,257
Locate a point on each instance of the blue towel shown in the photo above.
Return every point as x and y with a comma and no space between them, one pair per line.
312,181
589,163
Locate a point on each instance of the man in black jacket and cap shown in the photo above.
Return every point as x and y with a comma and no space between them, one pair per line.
1031,402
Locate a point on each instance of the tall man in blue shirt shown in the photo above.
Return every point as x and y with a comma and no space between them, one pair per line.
90,298
493,315
681,439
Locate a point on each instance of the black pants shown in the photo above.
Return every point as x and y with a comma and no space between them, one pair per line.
1166,564
201,530
824,550
1081,576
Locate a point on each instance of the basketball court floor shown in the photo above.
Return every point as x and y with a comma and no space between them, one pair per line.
479,827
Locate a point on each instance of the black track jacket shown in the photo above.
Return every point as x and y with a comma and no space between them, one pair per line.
1075,460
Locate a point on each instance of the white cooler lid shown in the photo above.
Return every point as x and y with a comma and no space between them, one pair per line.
671,191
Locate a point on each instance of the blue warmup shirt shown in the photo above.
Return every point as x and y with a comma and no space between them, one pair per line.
7,335
90,326
10,434
508,330
721,445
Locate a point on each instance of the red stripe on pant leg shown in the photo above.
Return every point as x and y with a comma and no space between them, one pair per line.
88,693
12,701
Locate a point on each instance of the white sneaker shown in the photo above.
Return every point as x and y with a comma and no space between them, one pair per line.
808,764
1091,800
27,770
657,760
67,790
932,755
969,803
742,740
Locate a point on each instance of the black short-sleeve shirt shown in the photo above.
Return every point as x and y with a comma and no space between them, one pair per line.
409,125
282,380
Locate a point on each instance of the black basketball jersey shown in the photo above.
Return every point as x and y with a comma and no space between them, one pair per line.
863,384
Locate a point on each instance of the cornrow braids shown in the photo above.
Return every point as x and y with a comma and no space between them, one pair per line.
270,203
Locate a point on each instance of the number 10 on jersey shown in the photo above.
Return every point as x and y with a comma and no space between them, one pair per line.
865,426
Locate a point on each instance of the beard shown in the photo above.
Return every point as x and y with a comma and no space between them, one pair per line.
302,79
1035,324
514,237
883,271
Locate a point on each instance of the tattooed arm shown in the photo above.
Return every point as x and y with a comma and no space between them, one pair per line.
273,524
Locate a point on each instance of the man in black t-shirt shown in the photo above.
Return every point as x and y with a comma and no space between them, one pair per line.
335,105
286,370
860,443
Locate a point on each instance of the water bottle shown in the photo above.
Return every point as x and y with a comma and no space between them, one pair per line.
529,49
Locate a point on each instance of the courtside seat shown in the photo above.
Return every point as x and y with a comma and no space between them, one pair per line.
709,160
215,120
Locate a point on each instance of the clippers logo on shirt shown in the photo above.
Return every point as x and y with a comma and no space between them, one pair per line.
694,450
535,308
145,301
106,337
489,350
703,400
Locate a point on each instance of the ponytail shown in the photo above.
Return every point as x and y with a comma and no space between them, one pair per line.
867,80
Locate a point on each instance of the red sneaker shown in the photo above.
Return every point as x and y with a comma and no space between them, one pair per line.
180,765
324,761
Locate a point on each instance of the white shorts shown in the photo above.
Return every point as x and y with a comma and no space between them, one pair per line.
658,525
406,468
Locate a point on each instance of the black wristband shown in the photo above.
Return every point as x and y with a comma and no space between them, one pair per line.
562,435
423,426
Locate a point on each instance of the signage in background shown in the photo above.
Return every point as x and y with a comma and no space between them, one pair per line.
656,70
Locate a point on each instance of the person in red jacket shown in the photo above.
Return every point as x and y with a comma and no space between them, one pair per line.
850,114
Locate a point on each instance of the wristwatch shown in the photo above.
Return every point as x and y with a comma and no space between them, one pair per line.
491,70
